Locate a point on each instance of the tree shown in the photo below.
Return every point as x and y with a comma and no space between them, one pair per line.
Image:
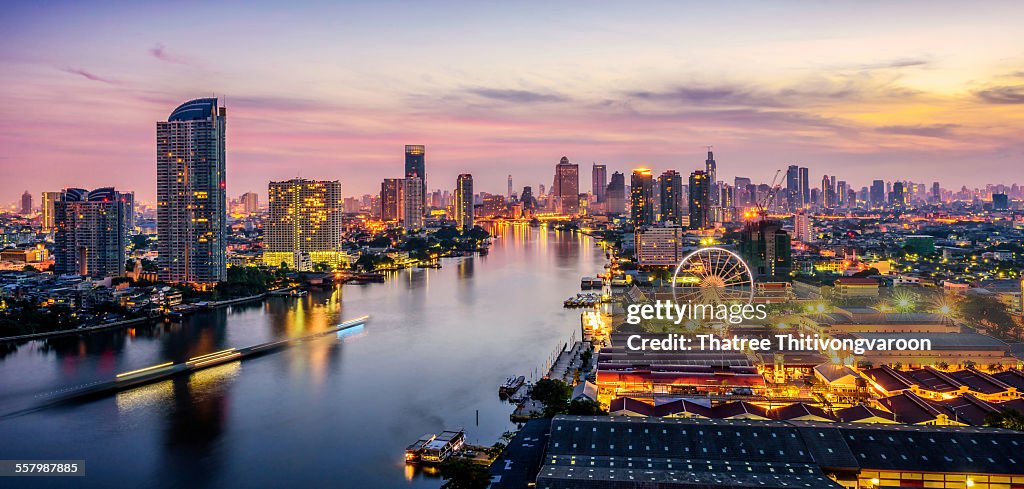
1010,419
585,407
461,473
554,394
991,315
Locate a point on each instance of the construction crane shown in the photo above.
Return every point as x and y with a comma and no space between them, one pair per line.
765,203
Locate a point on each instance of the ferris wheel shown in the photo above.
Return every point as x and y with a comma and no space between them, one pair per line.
713,275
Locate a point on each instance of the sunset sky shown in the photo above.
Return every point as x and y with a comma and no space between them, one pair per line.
916,90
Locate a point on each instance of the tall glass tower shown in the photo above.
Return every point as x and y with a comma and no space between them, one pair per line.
641,190
416,166
190,193
464,201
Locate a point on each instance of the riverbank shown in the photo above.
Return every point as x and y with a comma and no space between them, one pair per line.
120,324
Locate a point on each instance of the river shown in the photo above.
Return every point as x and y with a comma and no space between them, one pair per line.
335,412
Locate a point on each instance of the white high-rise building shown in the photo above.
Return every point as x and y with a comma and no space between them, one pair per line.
190,193
802,227
412,203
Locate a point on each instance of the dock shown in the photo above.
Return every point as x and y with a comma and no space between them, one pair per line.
155,373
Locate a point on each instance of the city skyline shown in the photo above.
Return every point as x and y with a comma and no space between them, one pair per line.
321,104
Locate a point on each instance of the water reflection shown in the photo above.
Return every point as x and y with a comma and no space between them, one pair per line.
338,409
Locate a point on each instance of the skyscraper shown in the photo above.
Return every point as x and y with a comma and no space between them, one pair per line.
90,233
190,193
841,195
129,210
304,224
827,193
794,194
898,196
529,202
46,207
250,202
412,201
599,181
416,166
877,193
616,194
26,203
711,169
641,191
566,188
700,189
936,193
805,186
508,195
671,183
464,201
391,199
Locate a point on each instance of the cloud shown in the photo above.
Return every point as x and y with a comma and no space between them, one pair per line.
896,64
89,75
714,95
1007,94
161,53
925,130
517,96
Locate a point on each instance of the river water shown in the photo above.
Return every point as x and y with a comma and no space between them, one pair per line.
335,412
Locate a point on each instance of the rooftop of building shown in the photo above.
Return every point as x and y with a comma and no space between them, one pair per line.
194,110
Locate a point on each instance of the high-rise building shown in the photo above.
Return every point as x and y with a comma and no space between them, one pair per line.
841,195
700,189
129,210
599,180
671,184
304,225
805,186
827,193
464,200
616,194
566,188
508,195
641,197
1000,202
412,201
190,193
898,197
46,208
766,248
741,193
250,202
658,245
529,202
711,168
391,205
794,194
415,165
936,193
26,203
877,193
802,227
90,233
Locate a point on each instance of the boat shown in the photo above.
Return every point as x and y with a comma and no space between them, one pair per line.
443,446
511,385
412,452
